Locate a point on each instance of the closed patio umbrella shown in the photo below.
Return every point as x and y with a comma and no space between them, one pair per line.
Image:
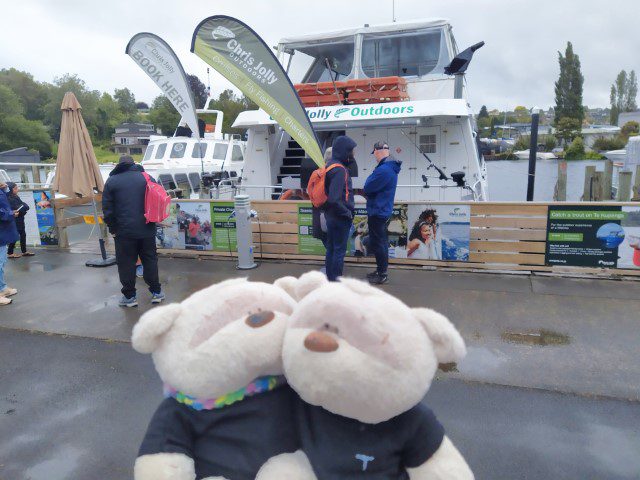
77,170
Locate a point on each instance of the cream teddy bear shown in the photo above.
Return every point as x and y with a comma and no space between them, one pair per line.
362,361
227,408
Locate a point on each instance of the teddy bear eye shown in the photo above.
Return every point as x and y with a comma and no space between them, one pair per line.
330,328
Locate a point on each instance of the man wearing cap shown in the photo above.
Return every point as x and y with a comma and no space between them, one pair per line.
380,190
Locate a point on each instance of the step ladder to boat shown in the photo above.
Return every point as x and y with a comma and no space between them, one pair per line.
291,162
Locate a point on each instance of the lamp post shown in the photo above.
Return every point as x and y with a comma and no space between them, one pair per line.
533,152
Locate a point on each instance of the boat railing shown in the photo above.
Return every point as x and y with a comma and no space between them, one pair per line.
28,175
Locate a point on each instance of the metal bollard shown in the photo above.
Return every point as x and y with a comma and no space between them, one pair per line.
244,235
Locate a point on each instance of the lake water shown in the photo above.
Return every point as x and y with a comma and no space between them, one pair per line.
507,179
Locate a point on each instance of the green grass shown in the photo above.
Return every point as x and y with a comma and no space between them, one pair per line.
104,155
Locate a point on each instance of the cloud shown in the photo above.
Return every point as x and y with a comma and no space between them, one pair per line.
518,65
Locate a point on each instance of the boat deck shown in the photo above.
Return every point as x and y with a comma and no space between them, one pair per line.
549,389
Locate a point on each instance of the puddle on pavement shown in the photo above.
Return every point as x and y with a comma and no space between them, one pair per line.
540,337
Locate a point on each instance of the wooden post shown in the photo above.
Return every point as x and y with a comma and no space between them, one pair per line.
560,194
607,180
624,186
36,174
636,188
587,194
63,239
597,191
24,178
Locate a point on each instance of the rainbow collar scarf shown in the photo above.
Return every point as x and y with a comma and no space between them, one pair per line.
259,385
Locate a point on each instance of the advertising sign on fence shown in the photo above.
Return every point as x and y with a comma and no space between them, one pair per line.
30,219
224,227
46,218
194,221
593,236
307,244
437,232
359,240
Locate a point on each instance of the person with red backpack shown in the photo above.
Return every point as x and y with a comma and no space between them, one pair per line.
123,205
339,205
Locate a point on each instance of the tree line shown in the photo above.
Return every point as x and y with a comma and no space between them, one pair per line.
30,113
569,112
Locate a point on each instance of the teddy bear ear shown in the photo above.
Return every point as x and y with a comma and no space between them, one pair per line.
447,341
299,288
152,326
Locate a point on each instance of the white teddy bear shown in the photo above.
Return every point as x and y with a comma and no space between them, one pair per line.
228,409
362,361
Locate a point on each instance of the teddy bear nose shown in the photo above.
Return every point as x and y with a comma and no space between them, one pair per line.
260,319
320,342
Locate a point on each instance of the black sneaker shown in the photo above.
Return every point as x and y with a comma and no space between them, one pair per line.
379,279
372,275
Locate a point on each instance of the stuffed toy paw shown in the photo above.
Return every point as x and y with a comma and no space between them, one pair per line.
227,408
362,361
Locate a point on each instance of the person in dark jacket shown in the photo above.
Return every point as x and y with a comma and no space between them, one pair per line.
123,208
380,190
338,209
20,209
8,234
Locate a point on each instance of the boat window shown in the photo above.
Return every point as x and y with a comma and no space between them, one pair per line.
166,181
308,63
194,178
183,182
177,151
199,150
161,149
404,55
428,143
148,153
220,151
236,154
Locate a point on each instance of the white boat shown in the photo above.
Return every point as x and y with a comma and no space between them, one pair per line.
441,125
524,155
179,162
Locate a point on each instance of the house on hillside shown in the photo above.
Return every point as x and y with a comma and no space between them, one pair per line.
20,155
132,138
625,117
592,132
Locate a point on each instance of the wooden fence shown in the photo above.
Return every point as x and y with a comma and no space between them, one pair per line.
503,237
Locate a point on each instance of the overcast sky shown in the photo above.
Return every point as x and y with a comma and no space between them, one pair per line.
518,65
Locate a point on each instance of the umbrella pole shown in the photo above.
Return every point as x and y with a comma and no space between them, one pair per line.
104,261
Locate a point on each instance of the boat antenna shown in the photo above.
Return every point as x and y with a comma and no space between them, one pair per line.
443,176
393,12
326,62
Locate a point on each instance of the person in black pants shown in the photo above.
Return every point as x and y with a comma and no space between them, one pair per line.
123,208
19,211
339,207
380,190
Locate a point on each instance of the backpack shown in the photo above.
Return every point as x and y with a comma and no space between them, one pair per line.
156,201
316,186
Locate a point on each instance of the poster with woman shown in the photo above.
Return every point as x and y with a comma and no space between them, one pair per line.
45,217
437,232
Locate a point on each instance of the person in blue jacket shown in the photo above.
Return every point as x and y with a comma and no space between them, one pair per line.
380,190
338,209
8,234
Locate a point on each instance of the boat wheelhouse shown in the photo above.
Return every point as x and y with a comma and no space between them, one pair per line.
385,83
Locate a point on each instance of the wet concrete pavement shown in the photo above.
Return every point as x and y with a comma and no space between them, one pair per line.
75,407
498,315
